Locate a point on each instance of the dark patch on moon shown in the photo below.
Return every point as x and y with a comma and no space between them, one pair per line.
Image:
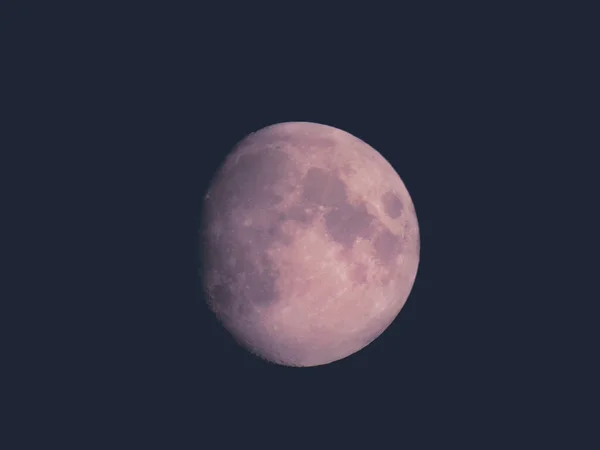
274,233
347,222
387,247
250,181
247,274
299,214
258,279
344,221
220,296
238,252
323,188
223,297
392,205
270,230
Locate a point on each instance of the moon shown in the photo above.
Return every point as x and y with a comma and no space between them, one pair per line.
310,244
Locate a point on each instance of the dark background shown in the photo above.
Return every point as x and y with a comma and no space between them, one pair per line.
119,118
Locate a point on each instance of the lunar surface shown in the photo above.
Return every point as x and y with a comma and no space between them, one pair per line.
310,244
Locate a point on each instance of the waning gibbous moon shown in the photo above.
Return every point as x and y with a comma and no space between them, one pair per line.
310,244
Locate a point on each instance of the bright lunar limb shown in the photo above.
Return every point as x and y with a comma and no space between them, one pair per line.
310,244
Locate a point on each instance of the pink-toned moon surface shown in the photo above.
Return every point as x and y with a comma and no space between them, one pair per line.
311,244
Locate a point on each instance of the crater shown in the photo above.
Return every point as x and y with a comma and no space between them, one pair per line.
392,205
